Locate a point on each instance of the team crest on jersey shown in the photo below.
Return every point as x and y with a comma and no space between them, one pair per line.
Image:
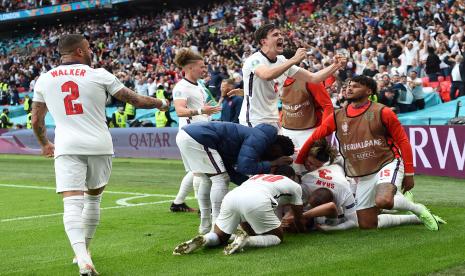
345,128
369,115
177,94
255,63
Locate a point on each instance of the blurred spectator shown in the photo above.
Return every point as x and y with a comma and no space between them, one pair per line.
416,85
231,106
432,65
5,120
388,97
405,99
457,76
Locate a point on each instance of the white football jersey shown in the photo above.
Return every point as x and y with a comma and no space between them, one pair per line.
196,98
331,177
75,96
280,189
260,103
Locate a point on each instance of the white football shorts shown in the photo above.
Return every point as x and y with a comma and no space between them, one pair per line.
256,209
82,172
392,172
198,158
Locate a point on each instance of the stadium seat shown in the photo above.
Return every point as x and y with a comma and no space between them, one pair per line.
440,78
444,91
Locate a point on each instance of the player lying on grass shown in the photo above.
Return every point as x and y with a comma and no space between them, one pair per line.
214,150
330,194
252,205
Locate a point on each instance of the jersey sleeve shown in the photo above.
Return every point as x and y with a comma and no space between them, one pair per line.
111,83
292,71
38,92
179,93
327,127
297,198
397,133
253,64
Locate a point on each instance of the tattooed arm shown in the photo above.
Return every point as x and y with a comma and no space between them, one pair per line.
128,96
39,110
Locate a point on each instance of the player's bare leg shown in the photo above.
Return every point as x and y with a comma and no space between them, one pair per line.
368,218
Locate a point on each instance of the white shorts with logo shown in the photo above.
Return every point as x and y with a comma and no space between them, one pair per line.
392,172
82,172
255,209
198,158
298,137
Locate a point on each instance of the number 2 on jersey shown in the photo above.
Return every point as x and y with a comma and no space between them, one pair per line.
71,109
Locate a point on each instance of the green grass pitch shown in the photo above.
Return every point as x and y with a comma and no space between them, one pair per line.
138,240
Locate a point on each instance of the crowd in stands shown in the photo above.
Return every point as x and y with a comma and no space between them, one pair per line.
16,5
405,45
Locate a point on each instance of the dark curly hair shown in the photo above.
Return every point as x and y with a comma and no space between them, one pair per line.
286,144
262,32
366,81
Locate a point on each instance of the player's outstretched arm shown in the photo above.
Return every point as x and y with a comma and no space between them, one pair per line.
180,105
323,74
324,210
270,73
128,96
351,222
39,110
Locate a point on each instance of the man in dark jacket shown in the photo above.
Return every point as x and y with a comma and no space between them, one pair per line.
212,150
457,75
231,105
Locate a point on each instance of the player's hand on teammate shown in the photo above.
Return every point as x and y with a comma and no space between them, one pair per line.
299,55
283,160
236,92
48,150
208,109
407,183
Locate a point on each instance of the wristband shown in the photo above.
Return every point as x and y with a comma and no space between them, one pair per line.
409,174
164,103
199,111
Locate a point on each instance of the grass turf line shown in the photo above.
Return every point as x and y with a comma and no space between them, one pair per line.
139,240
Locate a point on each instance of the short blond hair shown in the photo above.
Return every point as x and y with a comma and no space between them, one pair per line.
186,56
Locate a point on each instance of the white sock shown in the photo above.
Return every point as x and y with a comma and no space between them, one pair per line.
385,221
211,239
263,241
91,216
403,204
203,199
74,227
196,183
185,188
218,191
